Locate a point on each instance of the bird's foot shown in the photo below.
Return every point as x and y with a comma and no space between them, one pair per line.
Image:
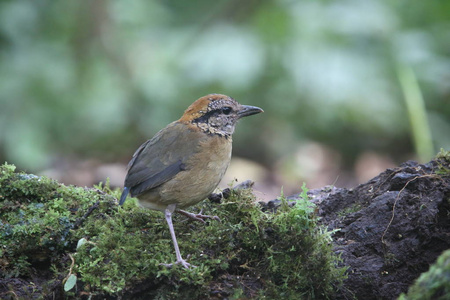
198,217
179,262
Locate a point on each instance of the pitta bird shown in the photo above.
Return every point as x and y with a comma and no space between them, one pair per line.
184,162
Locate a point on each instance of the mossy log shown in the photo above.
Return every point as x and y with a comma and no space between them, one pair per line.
71,242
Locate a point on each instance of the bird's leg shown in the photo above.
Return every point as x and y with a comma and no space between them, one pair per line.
168,213
197,217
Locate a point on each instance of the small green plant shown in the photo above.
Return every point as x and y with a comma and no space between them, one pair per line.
443,160
349,210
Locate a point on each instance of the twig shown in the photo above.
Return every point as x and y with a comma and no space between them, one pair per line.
12,292
71,268
396,200
90,210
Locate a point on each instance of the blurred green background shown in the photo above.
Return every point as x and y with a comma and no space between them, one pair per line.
348,87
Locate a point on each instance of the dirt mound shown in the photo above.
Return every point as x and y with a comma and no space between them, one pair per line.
390,229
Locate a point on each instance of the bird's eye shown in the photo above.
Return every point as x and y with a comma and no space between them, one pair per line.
226,110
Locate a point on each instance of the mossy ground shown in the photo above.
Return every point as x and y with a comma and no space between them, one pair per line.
248,254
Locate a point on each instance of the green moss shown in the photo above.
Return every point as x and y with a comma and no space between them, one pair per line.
350,209
248,253
443,160
36,218
434,284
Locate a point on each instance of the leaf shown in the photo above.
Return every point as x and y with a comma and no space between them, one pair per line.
81,242
70,283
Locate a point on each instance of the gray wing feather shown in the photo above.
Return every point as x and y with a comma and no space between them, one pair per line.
159,164
157,179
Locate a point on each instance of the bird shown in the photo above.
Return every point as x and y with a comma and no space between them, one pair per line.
185,161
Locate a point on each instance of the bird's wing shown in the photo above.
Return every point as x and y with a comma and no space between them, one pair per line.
161,158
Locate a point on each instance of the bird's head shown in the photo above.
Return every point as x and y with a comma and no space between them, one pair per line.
217,114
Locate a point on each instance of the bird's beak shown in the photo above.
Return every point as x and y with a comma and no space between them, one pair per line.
247,110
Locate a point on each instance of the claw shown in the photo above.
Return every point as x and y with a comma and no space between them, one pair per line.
179,262
198,217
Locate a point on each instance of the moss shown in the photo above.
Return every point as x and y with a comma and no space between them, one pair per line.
443,160
434,284
350,209
248,254
36,218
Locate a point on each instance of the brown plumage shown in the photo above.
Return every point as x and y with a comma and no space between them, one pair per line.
184,162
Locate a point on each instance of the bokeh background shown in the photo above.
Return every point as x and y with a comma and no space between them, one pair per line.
349,88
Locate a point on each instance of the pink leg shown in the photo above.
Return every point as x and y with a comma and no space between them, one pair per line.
168,213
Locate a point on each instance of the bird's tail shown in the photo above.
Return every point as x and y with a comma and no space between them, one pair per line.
124,195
